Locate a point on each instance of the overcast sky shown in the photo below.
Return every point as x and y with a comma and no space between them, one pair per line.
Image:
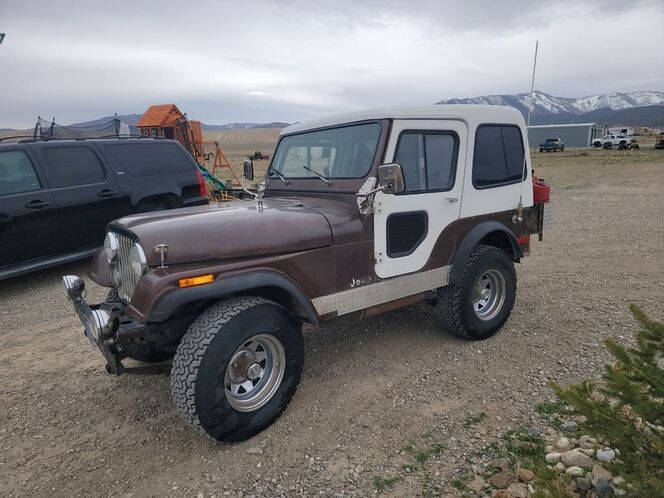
290,60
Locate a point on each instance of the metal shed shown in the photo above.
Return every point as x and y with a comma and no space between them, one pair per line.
574,135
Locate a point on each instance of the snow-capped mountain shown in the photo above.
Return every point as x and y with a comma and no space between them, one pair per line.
542,104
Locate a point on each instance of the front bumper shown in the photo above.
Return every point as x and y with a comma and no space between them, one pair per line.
101,323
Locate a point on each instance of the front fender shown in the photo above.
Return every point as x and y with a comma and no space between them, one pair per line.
228,286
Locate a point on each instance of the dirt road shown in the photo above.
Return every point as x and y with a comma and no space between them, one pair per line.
370,388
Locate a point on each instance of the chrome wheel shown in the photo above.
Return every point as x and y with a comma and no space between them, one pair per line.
489,294
255,372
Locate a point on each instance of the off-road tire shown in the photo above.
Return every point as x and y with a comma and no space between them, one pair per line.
456,300
608,145
199,366
597,144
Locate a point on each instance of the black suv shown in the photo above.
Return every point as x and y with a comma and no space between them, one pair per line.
57,196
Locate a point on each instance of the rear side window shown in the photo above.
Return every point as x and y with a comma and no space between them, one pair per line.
17,173
150,158
499,156
68,166
428,160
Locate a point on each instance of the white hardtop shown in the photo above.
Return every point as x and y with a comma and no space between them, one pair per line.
472,114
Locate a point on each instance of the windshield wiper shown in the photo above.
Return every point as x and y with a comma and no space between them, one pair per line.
281,177
328,182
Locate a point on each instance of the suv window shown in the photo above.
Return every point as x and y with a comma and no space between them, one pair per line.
17,173
69,166
499,156
428,159
150,158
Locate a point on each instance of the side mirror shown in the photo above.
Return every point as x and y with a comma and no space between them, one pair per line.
248,169
390,178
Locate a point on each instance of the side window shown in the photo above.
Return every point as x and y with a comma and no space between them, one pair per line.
149,158
69,166
499,156
17,173
428,160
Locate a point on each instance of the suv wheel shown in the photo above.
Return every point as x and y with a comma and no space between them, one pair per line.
237,367
608,145
480,304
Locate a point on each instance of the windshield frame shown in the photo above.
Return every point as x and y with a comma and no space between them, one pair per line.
338,184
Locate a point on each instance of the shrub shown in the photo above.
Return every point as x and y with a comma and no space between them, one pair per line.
627,408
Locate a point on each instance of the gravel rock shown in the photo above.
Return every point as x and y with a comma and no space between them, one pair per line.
575,458
559,467
503,479
518,491
618,480
552,457
255,450
600,472
574,471
569,426
583,484
563,444
588,451
525,475
603,488
605,455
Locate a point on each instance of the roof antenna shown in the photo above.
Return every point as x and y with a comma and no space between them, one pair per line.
524,173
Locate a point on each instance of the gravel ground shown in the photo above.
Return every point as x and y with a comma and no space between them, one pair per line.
370,388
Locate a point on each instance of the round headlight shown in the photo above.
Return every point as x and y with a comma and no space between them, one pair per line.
137,260
111,246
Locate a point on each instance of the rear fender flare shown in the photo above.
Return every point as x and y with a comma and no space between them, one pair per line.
258,281
472,238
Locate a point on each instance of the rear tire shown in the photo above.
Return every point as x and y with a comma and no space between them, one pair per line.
237,367
479,305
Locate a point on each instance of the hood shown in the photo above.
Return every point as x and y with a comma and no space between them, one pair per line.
237,229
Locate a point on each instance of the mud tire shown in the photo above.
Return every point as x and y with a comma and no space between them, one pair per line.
456,300
202,357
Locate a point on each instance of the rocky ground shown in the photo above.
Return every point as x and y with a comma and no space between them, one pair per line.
387,405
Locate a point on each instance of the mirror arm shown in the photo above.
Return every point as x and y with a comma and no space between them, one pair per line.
371,192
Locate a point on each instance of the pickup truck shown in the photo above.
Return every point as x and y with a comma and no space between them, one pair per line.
358,214
552,145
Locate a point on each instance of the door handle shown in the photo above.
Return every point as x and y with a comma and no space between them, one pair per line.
37,204
452,199
107,193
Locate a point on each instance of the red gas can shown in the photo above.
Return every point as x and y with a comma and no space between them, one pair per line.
541,191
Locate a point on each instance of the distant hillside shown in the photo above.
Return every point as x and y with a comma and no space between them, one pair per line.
243,126
644,108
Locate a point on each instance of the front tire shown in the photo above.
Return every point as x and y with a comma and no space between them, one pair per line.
480,304
237,367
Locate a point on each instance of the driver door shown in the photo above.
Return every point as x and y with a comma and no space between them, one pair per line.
432,154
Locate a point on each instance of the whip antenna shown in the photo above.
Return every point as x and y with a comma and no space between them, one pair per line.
524,173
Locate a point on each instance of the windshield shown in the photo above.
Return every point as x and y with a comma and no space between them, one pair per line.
345,152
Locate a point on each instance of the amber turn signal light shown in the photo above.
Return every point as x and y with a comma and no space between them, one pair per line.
191,281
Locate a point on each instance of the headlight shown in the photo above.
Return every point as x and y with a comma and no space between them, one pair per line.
111,246
137,260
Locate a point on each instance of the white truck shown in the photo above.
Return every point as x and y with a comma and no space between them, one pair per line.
619,141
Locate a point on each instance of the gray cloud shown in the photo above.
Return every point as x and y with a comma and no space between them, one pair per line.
290,60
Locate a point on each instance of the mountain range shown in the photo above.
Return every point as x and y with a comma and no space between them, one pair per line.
132,119
645,108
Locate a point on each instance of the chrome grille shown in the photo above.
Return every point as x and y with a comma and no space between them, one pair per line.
128,280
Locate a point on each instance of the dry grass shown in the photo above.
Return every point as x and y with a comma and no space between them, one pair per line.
237,145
